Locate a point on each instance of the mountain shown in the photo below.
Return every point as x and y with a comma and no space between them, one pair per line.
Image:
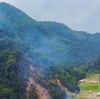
48,47
48,43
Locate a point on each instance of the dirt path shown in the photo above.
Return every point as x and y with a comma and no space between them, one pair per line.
42,93
59,83
31,81
31,68
68,93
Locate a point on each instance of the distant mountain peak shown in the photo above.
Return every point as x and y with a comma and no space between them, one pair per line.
4,4
11,16
8,9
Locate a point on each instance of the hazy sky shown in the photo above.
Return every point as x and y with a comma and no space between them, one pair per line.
77,14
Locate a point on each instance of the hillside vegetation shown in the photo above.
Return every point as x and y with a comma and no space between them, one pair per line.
11,76
48,43
56,52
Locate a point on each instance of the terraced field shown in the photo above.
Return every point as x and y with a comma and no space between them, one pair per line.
90,88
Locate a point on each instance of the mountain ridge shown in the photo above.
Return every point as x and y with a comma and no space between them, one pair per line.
45,36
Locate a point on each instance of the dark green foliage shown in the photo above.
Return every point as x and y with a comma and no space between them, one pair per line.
56,91
67,80
32,93
11,84
92,66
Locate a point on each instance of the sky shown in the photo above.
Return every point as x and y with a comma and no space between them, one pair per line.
80,15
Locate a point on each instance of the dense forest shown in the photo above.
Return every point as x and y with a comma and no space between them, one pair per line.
11,81
12,71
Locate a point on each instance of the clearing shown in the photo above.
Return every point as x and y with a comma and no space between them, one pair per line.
90,88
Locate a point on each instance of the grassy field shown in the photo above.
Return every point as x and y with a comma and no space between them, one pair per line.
90,88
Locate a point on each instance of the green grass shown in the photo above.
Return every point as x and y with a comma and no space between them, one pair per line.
89,86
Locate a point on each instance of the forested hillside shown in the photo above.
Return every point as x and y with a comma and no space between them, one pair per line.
57,54
11,81
48,43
